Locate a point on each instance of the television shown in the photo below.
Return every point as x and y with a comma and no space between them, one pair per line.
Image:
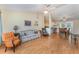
27,23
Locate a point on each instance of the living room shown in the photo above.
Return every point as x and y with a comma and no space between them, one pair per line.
38,27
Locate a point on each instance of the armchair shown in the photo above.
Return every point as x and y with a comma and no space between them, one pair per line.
7,42
10,41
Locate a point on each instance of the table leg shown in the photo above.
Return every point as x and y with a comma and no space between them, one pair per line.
75,40
66,35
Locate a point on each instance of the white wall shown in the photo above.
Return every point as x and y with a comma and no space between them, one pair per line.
12,18
75,27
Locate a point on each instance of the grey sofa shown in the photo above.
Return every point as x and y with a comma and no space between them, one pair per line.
28,35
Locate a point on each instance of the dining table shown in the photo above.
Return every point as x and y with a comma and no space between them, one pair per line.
65,31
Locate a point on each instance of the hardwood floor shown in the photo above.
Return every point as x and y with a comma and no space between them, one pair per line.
45,45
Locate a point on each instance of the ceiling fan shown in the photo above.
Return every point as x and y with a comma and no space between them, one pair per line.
52,7
48,7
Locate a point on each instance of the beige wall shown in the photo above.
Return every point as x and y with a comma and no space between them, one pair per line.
12,18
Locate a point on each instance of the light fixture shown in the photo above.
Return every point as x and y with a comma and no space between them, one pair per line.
45,12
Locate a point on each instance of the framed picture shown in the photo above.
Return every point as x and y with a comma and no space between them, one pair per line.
27,23
36,23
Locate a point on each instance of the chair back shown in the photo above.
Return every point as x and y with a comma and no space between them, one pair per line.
5,36
7,40
11,35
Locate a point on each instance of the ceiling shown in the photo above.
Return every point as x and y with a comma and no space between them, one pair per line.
31,7
69,10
